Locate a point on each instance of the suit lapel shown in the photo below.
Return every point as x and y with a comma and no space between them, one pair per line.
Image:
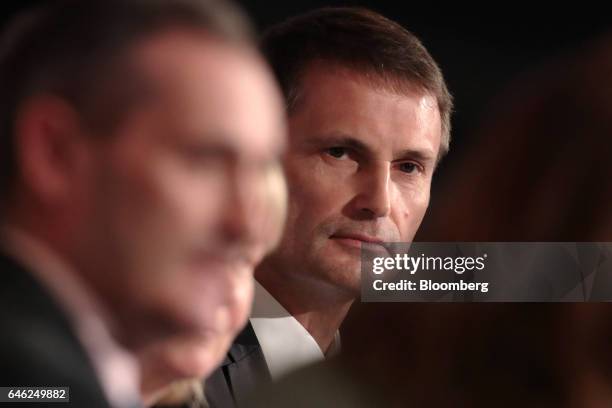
243,370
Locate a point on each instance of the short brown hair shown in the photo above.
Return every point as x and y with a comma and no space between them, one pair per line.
358,39
72,49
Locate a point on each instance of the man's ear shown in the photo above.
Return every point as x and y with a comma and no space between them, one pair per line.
49,146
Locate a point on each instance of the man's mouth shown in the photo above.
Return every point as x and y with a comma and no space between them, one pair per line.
359,241
224,257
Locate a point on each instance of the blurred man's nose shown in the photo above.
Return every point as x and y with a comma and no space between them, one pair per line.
372,199
237,225
244,215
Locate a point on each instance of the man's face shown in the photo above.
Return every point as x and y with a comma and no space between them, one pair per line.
359,169
182,190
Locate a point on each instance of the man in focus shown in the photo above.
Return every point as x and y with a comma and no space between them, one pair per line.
369,119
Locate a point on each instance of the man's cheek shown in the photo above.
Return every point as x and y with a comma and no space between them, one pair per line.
325,190
413,222
310,210
186,213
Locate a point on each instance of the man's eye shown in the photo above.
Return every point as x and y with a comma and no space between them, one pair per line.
408,167
337,152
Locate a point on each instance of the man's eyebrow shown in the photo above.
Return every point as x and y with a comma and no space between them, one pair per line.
338,139
422,155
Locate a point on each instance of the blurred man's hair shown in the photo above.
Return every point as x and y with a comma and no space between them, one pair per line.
361,40
540,168
76,50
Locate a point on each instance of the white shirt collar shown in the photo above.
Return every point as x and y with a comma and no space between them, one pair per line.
285,343
117,369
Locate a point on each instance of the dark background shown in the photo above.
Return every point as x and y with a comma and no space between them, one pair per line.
480,49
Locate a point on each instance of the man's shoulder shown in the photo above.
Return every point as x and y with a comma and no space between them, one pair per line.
26,308
37,345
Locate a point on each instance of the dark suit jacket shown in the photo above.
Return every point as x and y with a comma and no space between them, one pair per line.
243,370
37,344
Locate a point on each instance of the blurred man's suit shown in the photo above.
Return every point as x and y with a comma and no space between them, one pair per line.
38,346
272,344
55,331
243,370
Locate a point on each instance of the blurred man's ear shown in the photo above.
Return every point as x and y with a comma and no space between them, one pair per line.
50,148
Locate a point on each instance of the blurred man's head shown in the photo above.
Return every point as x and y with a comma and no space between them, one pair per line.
514,183
369,118
138,140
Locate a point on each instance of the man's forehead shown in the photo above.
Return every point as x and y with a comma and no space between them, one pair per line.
211,91
333,75
187,52
339,104
332,93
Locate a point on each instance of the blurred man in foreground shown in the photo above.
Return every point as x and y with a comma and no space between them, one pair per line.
369,119
137,140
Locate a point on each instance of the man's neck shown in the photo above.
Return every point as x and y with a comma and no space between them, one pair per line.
322,324
318,307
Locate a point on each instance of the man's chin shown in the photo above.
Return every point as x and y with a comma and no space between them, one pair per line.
345,276
198,364
197,357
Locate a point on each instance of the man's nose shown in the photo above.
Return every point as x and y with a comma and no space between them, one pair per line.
247,217
240,206
373,199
